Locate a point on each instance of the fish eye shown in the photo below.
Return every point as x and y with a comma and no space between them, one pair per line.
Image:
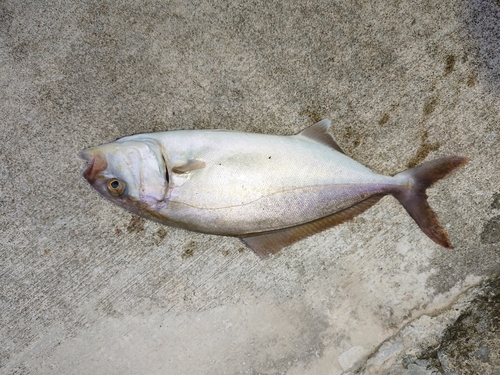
116,187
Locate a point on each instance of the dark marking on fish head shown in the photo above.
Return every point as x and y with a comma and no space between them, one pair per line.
151,211
147,211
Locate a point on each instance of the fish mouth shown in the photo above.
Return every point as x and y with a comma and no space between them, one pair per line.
97,164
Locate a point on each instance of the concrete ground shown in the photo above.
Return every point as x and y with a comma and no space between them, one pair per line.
87,288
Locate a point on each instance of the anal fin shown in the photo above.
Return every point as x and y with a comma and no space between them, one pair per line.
267,243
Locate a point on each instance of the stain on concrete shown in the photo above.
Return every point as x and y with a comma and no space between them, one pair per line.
6,17
482,21
423,150
491,231
136,224
449,64
430,105
384,119
353,136
472,80
160,235
312,114
189,249
495,205
20,50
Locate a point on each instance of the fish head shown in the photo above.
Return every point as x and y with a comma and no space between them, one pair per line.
130,173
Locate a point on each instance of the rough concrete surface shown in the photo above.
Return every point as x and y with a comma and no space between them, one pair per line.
463,339
86,288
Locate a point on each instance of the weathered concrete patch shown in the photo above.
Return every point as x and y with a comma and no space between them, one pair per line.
462,339
491,231
257,336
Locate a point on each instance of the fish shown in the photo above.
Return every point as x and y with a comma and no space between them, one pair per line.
269,190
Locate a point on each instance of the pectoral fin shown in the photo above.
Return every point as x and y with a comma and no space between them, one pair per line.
319,133
267,243
189,166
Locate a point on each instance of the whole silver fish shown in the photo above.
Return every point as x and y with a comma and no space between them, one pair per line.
269,190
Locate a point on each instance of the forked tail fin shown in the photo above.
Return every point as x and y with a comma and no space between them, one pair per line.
414,199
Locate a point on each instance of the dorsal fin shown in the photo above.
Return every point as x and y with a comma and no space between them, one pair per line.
190,165
268,243
319,133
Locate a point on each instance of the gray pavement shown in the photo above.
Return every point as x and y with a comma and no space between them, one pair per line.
86,288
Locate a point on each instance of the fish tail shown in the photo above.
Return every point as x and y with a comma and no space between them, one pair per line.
414,199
